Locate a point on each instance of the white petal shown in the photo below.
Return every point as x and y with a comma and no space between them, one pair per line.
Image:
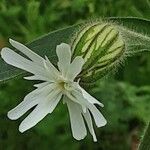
89,97
77,94
44,88
64,99
18,61
88,119
78,98
30,101
40,85
52,72
51,67
34,117
40,112
77,122
53,103
64,57
37,77
47,75
75,68
98,117
25,50
22,108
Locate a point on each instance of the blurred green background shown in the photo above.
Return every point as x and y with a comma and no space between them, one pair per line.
126,95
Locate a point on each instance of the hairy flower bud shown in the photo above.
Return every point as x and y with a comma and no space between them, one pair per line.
102,47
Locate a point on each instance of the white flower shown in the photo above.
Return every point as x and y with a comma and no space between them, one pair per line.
56,84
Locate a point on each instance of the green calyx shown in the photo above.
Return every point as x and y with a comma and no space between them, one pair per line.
102,47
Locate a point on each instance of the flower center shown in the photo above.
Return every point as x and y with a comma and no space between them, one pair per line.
64,85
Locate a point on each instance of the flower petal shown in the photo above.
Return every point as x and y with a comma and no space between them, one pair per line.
75,68
88,119
98,117
30,101
22,108
18,61
34,117
64,57
75,97
40,85
25,50
77,123
78,98
37,77
40,111
90,98
53,103
52,72
51,67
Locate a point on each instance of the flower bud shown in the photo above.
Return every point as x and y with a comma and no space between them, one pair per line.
102,47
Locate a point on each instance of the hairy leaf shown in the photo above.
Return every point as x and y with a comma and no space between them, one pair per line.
138,39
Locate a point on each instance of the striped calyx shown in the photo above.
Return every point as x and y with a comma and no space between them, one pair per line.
101,46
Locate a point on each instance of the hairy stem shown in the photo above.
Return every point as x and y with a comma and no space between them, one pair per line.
145,143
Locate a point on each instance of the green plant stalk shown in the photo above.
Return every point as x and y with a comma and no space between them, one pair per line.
145,143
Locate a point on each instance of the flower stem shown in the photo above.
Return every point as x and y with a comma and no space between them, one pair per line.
145,142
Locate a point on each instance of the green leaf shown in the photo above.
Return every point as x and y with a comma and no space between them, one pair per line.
46,45
138,25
